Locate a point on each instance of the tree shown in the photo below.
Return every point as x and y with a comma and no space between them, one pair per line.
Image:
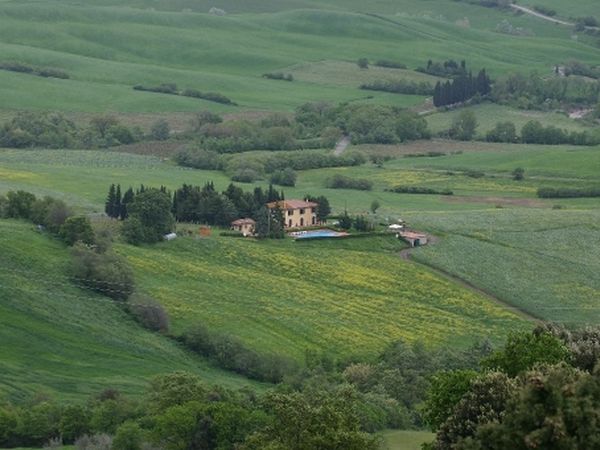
152,209
20,204
345,221
464,126
148,312
446,390
74,423
318,420
503,132
375,205
524,350
518,174
77,229
160,130
484,402
109,205
129,436
363,63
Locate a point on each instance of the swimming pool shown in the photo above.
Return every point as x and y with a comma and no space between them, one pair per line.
317,234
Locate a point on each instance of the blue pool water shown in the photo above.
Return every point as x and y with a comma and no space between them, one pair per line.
318,234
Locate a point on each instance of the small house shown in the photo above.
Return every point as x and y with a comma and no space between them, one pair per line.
297,213
414,239
244,226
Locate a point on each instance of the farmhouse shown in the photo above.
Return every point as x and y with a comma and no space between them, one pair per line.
244,226
414,239
297,213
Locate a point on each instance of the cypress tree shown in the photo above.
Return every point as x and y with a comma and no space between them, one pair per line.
437,93
127,199
109,206
117,205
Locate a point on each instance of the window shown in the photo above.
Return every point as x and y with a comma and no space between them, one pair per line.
290,223
302,211
290,212
301,221
314,220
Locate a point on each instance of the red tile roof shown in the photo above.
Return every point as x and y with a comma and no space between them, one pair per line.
292,204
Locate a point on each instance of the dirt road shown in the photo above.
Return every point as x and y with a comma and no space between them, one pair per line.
541,16
341,146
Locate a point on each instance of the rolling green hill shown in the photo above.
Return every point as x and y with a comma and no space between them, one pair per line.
108,47
58,339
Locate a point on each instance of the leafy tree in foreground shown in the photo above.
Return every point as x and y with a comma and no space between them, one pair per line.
77,229
464,126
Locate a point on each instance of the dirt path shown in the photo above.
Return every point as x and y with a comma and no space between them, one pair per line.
406,253
342,145
541,16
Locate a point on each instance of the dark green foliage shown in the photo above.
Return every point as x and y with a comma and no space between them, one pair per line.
106,273
148,312
574,67
129,436
503,132
210,96
320,420
29,129
150,212
362,223
77,229
419,190
545,10
199,159
518,174
462,88
50,213
47,72
279,76
363,63
568,193
203,118
389,64
344,182
485,402
533,132
375,205
463,126
165,88
231,354
447,69
537,92
285,177
524,350
400,87
74,422
160,130
19,204
345,221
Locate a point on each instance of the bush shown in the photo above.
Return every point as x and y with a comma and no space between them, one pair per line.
148,312
363,63
50,72
94,442
503,132
160,130
568,192
210,96
164,88
400,87
344,182
390,64
285,177
518,174
77,229
419,190
129,436
19,204
106,273
463,126
279,76
199,159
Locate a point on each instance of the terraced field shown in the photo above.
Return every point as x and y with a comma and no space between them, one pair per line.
348,298
57,338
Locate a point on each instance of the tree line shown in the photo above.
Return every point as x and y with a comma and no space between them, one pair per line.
461,89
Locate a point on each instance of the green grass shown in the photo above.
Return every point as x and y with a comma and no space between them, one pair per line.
488,115
405,440
542,261
349,298
58,339
108,47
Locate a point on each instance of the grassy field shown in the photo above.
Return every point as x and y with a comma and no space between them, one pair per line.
57,338
405,440
107,47
346,298
488,115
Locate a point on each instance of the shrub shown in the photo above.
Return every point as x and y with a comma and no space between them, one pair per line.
129,436
148,312
363,63
50,72
199,159
94,442
203,118
463,126
160,130
164,88
503,132
245,176
518,174
279,76
362,223
285,177
19,204
14,66
344,182
400,87
50,212
474,174
419,190
106,273
390,64
77,229
210,96
568,192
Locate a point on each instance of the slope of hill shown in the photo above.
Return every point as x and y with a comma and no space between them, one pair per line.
59,339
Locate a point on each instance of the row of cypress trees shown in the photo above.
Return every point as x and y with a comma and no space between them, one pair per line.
461,89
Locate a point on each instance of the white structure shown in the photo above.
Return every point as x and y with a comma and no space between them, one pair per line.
169,237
